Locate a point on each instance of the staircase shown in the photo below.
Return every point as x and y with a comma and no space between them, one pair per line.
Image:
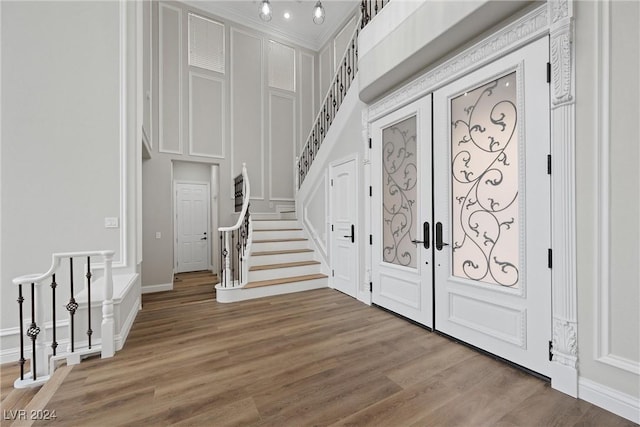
281,260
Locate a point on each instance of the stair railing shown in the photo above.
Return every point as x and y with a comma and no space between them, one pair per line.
369,9
42,355
235,241
338,89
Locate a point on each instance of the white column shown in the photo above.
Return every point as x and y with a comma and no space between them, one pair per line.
108,325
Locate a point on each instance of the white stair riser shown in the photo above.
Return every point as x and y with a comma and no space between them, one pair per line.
270,225
233,295
279,246
282,234
280,258
273,215
281,273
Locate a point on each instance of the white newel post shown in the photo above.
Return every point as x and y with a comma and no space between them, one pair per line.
108,326
227,278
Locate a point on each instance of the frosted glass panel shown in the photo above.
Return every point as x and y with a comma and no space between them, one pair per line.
399,193
484,149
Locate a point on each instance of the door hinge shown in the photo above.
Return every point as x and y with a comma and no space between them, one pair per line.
370,191
369,143
370,286
550,258
549,164
550,350
333,273
371,239
548,72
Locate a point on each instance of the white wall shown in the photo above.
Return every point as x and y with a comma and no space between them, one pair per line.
246,114
66,145
607,194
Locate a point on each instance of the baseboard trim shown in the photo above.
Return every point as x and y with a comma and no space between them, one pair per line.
619,403
162,287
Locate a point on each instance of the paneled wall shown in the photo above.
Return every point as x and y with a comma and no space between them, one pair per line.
224,95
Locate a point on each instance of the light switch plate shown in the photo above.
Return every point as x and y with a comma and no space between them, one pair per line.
158,235
111,222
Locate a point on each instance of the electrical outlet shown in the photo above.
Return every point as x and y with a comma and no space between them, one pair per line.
111,222
158,235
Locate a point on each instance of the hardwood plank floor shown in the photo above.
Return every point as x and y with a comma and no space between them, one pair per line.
313,358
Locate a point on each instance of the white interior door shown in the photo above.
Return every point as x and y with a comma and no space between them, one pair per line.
344,243
401,212
492,208
192,227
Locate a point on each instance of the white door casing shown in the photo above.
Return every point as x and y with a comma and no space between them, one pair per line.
344,217
491,141
192,226
401,212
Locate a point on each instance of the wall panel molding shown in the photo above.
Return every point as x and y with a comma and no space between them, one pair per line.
217,152
233,134
279,164
320,189
162,142
603,122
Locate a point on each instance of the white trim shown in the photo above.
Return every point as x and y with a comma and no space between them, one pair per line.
231,98
344,28
126,326
224,41
278,93
192,152
621,404
303,134
330,77
603,268
321,183
163,6
123,64
175,185
161,287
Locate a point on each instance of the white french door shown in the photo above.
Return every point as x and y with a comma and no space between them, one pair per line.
492,208
401,212
344,247
192,227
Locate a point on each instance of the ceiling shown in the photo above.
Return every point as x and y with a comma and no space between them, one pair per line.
299,29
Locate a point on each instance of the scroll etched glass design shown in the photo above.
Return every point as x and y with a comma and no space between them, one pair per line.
484,169
399,179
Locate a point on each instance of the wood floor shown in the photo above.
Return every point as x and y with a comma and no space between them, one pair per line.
313,358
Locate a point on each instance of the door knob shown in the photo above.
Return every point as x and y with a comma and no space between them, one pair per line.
204,238
425,233
353,236
439,243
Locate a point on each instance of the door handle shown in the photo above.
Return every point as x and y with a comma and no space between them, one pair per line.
353,236
204,238
439,243
425,234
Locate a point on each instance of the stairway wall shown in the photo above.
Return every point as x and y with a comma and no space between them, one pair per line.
344,139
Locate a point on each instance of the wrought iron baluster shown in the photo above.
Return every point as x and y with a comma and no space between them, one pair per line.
225,254
238,247
54,285
22,359
221,265
72,306
33,331
89,331
233,272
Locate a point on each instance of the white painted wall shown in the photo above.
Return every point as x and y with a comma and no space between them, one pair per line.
608,189
260,125
66,142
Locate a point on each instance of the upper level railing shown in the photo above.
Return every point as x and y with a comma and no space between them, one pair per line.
369,9
235,241
338,88
42,350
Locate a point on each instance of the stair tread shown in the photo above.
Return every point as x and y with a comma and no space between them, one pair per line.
284,252
276,219
283,265
285,280
278,229
300,239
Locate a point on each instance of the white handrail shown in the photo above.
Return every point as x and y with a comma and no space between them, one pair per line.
55,263
246,190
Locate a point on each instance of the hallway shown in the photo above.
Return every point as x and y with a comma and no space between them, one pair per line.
312,358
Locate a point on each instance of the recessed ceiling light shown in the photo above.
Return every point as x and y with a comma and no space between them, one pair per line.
287,15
